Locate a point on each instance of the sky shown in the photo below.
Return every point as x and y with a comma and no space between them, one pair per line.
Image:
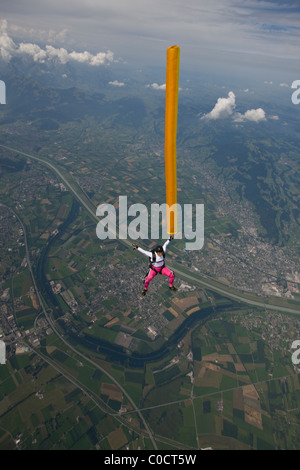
252,34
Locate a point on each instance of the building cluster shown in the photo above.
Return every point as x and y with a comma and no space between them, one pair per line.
277,330
66,294
240,257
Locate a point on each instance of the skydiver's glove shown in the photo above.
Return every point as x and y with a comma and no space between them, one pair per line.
171,238
135,247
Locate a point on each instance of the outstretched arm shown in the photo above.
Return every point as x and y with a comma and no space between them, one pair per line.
146,253
167,242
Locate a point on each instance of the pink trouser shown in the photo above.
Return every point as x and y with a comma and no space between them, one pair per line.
165,271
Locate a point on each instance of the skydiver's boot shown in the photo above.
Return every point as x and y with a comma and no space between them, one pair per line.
144,292
172,288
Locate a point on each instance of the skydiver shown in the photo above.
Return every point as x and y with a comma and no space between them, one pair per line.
157,264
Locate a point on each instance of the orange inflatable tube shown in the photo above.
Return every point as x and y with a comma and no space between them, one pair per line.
172,87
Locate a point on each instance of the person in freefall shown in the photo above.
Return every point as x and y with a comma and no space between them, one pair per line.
157,264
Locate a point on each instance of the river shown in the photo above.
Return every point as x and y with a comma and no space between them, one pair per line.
112,352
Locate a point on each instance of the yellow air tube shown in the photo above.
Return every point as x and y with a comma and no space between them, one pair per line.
172,84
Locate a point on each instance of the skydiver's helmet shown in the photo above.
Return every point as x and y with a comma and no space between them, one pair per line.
159,249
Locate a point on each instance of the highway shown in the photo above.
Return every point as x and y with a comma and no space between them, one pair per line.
59,173
191,277
196,279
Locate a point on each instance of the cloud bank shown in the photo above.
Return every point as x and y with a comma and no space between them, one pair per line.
9,49
225,108
226,33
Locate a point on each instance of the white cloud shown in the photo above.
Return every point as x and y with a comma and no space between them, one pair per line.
54,36
7,45
9,49
254,115
156,86
102,58
38,54
223,108
285,85
236,31
3,26
33,34
116,83
60,54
